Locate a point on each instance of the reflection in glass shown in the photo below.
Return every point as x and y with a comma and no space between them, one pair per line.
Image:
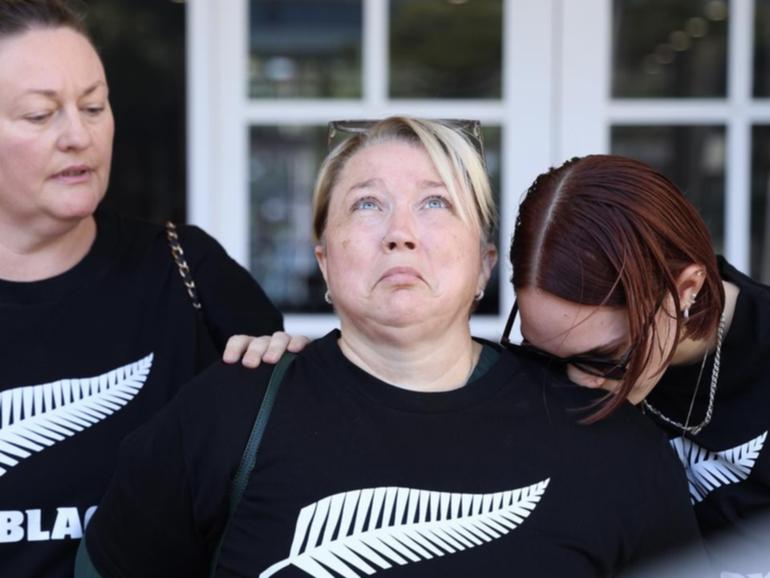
305,48
693,157
446,48
668,49
762,48
283,165
760,207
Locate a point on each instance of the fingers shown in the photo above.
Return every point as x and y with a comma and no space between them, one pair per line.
298,343
236,347
276,347
251,351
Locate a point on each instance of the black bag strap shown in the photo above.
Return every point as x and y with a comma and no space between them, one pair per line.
249,457
181,263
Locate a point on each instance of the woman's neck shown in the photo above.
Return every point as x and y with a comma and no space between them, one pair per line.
28,255
442,363
692,350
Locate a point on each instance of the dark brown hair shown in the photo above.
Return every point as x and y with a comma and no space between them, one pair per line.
19,16
608,230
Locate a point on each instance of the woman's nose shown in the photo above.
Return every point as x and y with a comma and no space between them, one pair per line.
75,134
400,233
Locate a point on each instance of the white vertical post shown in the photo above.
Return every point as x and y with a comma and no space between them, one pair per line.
584,65
738,156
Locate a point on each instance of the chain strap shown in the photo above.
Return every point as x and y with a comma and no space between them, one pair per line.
184,269
686,427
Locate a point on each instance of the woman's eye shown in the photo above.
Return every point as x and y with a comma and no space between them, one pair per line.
38,118
95,110
436,202
366,204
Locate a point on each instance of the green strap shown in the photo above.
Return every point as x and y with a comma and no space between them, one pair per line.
84,567
249,457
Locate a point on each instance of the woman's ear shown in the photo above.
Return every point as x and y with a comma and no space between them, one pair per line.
488,261
689,284
320,257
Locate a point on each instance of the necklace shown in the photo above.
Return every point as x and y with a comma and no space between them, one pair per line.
686,427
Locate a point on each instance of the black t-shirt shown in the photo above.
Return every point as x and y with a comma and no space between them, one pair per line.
728,462
356,476
86,357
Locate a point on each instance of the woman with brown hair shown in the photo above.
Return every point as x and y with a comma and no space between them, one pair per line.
398,444
98,332
617,281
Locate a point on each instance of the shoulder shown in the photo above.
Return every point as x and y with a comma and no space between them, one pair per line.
224,397
743,281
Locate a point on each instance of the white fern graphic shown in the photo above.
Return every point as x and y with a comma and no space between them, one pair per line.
38,416
707,471
361,531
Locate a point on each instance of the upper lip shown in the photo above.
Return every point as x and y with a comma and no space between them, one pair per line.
72,168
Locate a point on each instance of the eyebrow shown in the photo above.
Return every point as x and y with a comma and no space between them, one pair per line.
48,93
375,181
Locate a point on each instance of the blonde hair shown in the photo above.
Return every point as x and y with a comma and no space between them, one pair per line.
457,162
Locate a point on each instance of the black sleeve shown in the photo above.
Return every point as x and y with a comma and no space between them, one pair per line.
166,505
233,302
669,542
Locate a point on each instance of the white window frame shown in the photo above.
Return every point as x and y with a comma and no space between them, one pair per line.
220,115
589,111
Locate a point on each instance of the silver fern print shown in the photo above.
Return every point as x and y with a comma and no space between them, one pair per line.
35,417
364,531
707,471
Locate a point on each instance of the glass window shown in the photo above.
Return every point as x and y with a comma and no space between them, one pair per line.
305,48
760,207
446,48
762,48
283,165
490,305
693,157
148,176
665,48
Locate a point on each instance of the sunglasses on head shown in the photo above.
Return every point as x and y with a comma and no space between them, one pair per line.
596,365
346,128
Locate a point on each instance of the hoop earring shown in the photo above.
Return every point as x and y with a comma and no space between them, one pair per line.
328,297
479,296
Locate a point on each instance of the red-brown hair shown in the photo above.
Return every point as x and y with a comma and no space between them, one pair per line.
608,230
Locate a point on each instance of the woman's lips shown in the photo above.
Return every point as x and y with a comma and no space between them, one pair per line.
401,276
73,175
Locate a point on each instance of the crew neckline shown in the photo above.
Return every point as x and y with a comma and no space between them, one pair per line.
500,371
52,289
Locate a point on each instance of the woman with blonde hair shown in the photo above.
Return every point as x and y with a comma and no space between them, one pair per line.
398,443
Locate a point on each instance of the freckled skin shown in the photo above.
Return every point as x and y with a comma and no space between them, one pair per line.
403,224
40,135
564,328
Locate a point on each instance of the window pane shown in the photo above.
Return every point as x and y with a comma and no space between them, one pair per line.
490,305
305,48
148,100
762,48
283,165
446,48
693,157
669,48
760,207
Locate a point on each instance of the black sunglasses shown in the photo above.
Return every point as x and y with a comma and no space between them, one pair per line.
594,365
